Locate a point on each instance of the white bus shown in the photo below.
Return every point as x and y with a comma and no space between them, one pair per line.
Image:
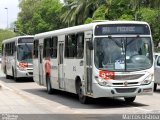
17,59
156,70
103,59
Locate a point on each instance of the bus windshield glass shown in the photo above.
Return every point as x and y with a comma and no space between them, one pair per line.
24,52
123,53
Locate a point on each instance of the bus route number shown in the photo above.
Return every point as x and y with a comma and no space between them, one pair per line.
74,68
107,75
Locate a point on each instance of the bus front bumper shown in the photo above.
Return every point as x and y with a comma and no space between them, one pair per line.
24,73
130,91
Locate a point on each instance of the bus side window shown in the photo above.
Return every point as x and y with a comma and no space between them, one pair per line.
46,50
80,45
74,45
2,49
158,61
6,49
70,46
35,51
53,45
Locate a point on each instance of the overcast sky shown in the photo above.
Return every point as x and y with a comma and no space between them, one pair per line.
13,10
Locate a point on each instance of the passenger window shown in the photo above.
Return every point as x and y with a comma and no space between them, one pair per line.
70,46
80,45
158,61
46,50
35,51
2,49
50,47
53,49
74,45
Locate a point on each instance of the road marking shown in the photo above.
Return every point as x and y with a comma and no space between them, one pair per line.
5,87
142,109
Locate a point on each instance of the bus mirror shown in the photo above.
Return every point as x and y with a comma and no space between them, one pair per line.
90,45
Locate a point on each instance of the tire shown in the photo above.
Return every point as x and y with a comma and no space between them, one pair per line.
82,98
13,75
129,99
155,86
7,76
48,84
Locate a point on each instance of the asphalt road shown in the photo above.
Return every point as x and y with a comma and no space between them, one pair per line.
67,106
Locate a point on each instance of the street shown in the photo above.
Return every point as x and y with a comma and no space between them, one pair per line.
26,97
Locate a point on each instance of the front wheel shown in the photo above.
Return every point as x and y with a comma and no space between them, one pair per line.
155,86
82,98
5,71
13,75
129,99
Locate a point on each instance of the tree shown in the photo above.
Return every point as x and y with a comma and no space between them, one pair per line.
39,16
78,11
5,34
45,15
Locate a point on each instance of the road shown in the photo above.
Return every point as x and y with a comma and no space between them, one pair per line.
26,97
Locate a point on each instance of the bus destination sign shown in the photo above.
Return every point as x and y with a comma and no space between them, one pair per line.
121,29
25,40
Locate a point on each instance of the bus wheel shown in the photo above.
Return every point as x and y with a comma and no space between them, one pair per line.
7,76
82,98
48,84
155,86
129,99
13,74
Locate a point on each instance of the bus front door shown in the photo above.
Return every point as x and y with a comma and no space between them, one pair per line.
60,65
88,66
40,64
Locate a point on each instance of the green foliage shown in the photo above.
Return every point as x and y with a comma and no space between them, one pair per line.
143,10
126,17
44,15
5,34
151,16
39,16
100,13
89,20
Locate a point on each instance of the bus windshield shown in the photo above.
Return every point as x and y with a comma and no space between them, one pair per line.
123,53
24,53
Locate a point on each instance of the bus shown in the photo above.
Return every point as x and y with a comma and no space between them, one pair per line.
101,59
156,70
17,59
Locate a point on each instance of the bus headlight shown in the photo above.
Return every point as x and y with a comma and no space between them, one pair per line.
101,81
22,65
147,80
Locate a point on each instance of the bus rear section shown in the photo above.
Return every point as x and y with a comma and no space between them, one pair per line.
17,57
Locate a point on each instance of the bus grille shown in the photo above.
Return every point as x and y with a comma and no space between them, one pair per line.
128,77
30,73
130,83
125,90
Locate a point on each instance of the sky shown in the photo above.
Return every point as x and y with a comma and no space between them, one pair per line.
13,11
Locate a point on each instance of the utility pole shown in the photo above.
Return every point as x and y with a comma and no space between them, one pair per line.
7,16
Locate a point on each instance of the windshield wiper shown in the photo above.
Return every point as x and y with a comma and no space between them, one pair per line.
28,47
132,40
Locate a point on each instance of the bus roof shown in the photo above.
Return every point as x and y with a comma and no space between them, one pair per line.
81,28
15,38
